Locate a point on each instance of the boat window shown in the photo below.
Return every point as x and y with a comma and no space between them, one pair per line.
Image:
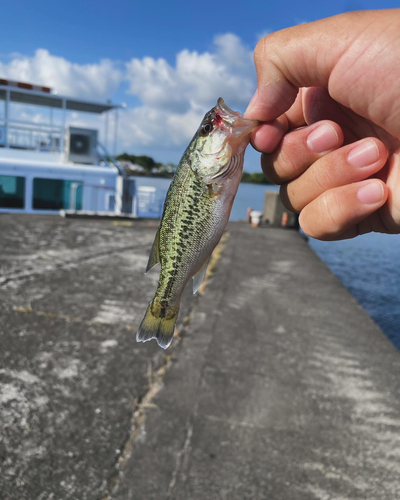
12,191
56,194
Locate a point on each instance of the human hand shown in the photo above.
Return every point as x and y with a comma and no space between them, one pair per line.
334,146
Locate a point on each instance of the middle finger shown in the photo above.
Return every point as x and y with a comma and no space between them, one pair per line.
348,164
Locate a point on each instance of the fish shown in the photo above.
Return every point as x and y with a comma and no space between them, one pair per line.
195,215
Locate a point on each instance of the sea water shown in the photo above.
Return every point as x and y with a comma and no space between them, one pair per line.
369,268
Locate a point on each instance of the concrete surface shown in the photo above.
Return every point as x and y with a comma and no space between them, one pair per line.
72,293
282,388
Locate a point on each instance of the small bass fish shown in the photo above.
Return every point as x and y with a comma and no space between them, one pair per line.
196,213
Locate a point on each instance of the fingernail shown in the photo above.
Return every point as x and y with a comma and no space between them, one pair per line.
370,193
364,155
322,138
252,102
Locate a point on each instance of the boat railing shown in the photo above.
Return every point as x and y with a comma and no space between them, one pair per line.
33,136
150,201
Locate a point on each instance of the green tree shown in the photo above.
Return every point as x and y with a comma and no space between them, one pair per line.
144,161
254,177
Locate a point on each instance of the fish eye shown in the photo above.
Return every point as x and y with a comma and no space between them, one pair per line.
206,128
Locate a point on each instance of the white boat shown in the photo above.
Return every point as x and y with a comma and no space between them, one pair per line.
48,168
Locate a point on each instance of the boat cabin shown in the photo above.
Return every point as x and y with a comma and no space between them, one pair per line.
47,166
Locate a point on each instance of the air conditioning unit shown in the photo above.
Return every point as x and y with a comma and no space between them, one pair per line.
82,145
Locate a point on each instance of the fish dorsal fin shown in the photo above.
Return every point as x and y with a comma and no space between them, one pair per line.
198,278
155,252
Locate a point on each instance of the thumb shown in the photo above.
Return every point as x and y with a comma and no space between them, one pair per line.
334,53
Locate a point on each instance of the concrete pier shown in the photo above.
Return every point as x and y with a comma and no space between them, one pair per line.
278,386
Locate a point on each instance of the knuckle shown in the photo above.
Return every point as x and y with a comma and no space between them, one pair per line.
262,51
292,157
286,199
322,176
321,219
330,210
268,167
286,162
259,50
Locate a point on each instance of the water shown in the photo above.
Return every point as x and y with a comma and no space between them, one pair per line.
368,266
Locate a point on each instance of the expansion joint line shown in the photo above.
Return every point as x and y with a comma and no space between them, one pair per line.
155,384
183,455
142,405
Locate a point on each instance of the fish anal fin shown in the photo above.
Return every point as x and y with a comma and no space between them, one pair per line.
198,278
155,252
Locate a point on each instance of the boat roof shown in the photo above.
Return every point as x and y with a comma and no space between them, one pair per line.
52,100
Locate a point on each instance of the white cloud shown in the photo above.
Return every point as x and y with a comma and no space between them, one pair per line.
197,79
173,97
97,81
150,126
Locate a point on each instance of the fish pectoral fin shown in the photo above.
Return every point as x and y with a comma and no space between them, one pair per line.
196,201
198,278
155,252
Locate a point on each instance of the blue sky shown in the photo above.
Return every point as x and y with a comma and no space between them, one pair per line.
151,55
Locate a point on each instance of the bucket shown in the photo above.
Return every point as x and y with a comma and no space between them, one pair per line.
255,218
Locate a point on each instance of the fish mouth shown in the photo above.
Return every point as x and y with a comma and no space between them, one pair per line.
232,121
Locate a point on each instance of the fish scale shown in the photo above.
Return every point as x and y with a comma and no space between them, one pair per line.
195,215
182,229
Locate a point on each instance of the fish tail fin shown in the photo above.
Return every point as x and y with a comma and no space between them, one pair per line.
157,325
